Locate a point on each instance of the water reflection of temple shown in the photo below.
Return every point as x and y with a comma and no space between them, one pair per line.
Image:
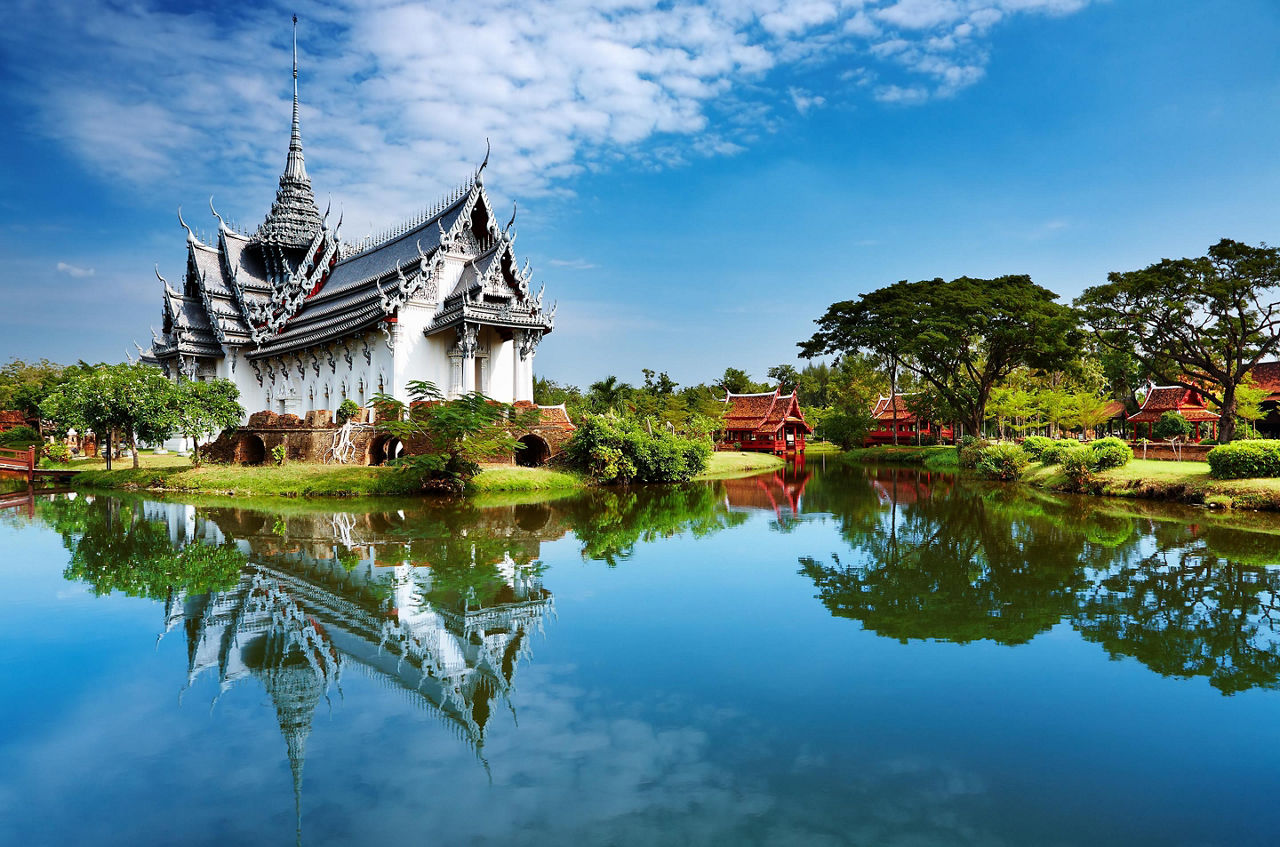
326,595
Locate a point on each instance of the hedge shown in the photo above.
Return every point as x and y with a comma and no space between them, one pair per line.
1110,453
1002,461
1245,460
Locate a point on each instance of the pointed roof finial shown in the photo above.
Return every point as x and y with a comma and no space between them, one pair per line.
486,159
296,167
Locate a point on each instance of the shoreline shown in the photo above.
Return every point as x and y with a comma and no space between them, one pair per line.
307,480
1185,482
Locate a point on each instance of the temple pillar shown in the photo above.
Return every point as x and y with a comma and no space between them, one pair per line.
462,361
529,340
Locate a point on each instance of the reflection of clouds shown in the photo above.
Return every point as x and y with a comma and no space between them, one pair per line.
578,768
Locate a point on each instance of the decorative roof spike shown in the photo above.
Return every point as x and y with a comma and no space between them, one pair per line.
328,206
191,236
162,279
486,159
514,207
222,226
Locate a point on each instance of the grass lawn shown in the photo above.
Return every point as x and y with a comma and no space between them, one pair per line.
1187,482
168,472
727,463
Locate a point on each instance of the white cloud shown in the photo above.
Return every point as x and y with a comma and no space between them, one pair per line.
804,101
74,270
571,264
398,97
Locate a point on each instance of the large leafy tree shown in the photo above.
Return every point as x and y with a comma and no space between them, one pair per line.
1200,323
134,400
206,407
960,338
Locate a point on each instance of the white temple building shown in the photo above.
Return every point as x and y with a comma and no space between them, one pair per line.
300,320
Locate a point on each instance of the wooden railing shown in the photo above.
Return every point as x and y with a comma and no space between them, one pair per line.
19,461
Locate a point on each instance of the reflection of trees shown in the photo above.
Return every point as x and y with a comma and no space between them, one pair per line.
1187,612
939,568
610,523
114,547
1004,563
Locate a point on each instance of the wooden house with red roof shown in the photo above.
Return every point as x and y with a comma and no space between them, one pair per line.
1266,375
770,422
892,413
1188,402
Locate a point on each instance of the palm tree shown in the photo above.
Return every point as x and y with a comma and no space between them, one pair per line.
607,393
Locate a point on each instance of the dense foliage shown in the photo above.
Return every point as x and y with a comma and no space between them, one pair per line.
1245,460
1171,426
1109,453
450,437
970,448
347,410
959,338
1003,461
621,450
1201,323
1034,445
19,436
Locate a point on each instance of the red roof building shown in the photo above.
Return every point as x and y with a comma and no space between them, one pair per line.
892,413
1266,375
770,422
1187,402
10,419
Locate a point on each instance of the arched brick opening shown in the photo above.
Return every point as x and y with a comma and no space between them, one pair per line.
534,451
532,517
385,449
250,450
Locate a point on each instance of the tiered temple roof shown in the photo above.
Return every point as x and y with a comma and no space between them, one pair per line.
1173,398
294,284
892,409
763,413
1266,375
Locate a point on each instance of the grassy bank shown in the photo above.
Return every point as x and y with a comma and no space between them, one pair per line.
1184,482
171,473
724,465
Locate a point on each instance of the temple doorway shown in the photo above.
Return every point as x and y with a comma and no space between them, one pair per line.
250,450
385,450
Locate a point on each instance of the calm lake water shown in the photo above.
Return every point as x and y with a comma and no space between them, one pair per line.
829,655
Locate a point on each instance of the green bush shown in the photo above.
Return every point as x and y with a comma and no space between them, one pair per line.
1077,464
1245,460
19,436
57,452
1002,461
1036,444
1052,455
347,410
969,449
1110,453
279,454
614,450
1170,426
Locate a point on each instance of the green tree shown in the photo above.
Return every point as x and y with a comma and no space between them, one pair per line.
961,338
736,381
787,376
608,394
659,383
1200,323
450,438
206,407
134,400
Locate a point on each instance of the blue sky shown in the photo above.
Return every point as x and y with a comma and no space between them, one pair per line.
696,181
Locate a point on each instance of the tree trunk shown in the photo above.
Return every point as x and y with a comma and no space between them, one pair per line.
110,433
133,445
1227,421
893,406
195,449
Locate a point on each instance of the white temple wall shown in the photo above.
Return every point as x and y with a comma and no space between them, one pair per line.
502,375
417,356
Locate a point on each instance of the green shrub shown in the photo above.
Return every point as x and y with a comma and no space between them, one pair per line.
1170,426
1002,461
347,410
614,450
19,436
1110,453
279,454
57,452
1245,460
1077,464
1052,455
969,449
1036,444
